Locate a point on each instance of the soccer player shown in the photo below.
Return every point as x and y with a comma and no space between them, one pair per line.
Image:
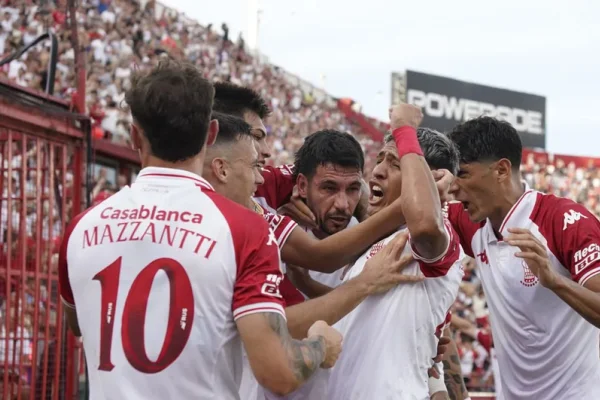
278,187
232,168
391,339
539,264
166,279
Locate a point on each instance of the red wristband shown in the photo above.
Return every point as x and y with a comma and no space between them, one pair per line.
407,141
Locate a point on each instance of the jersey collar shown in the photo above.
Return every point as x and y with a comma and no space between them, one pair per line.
519,212
172,173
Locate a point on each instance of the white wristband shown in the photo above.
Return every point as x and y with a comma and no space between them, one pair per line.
437,384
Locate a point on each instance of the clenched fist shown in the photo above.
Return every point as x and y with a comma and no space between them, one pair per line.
333,342
405,115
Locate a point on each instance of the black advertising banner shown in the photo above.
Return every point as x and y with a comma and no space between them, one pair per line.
447,102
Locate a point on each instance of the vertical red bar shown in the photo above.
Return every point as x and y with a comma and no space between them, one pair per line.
7,321
20,330
72,375
38,262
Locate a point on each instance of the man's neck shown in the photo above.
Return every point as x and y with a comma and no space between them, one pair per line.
506,203
193,165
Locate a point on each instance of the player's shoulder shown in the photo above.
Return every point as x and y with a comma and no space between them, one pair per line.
560,212
239,218
285,169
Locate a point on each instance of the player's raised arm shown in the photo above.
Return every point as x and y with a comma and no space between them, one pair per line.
420,199
279,362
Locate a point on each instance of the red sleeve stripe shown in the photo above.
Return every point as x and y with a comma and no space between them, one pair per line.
258,308
285,233
588,275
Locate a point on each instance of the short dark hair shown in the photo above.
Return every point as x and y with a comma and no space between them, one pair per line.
236,100
172,104
231,128
487,139
328,146
438,150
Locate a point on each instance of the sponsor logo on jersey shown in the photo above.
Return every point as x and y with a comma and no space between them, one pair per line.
529,279
571,217
585,257
271,286
152,213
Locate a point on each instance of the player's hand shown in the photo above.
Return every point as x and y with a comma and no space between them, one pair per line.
443,180
405,115
297,210
333,342
441,349
384,270
535,255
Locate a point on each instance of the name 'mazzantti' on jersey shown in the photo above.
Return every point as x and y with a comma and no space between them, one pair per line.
149,224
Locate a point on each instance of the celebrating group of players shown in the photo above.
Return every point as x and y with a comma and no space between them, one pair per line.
181,290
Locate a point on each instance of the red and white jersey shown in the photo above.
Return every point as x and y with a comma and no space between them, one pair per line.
277,188
159,273
390,339
282,227
536,334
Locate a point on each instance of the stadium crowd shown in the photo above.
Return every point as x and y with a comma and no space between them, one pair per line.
120,34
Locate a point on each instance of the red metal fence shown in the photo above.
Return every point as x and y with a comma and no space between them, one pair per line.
41,182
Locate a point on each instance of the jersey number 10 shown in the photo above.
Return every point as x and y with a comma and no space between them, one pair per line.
179,323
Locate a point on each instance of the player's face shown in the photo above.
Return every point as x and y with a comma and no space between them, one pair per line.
332,195
477,189
244,171
260,134
386,179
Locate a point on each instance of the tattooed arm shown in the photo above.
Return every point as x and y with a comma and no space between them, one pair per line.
280,363
452,372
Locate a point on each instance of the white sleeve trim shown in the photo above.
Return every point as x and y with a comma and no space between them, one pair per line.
438,258
66,303
588,275
286,232
255,308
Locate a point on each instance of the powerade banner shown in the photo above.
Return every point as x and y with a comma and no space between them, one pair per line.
447,102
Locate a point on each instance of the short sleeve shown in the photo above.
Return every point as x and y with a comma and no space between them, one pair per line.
572,234
463,226
277,187
256,288
434,268
281,225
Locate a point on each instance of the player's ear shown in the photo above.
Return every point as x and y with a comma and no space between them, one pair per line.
503,170
302,184
136,137
213,131
220,169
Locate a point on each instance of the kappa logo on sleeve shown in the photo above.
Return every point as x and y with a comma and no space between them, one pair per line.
571,217
272,239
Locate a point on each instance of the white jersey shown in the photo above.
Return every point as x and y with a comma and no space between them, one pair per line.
158,274
391,339
333,279
545,350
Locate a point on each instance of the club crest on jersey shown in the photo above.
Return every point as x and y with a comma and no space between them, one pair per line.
375,249
529,279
